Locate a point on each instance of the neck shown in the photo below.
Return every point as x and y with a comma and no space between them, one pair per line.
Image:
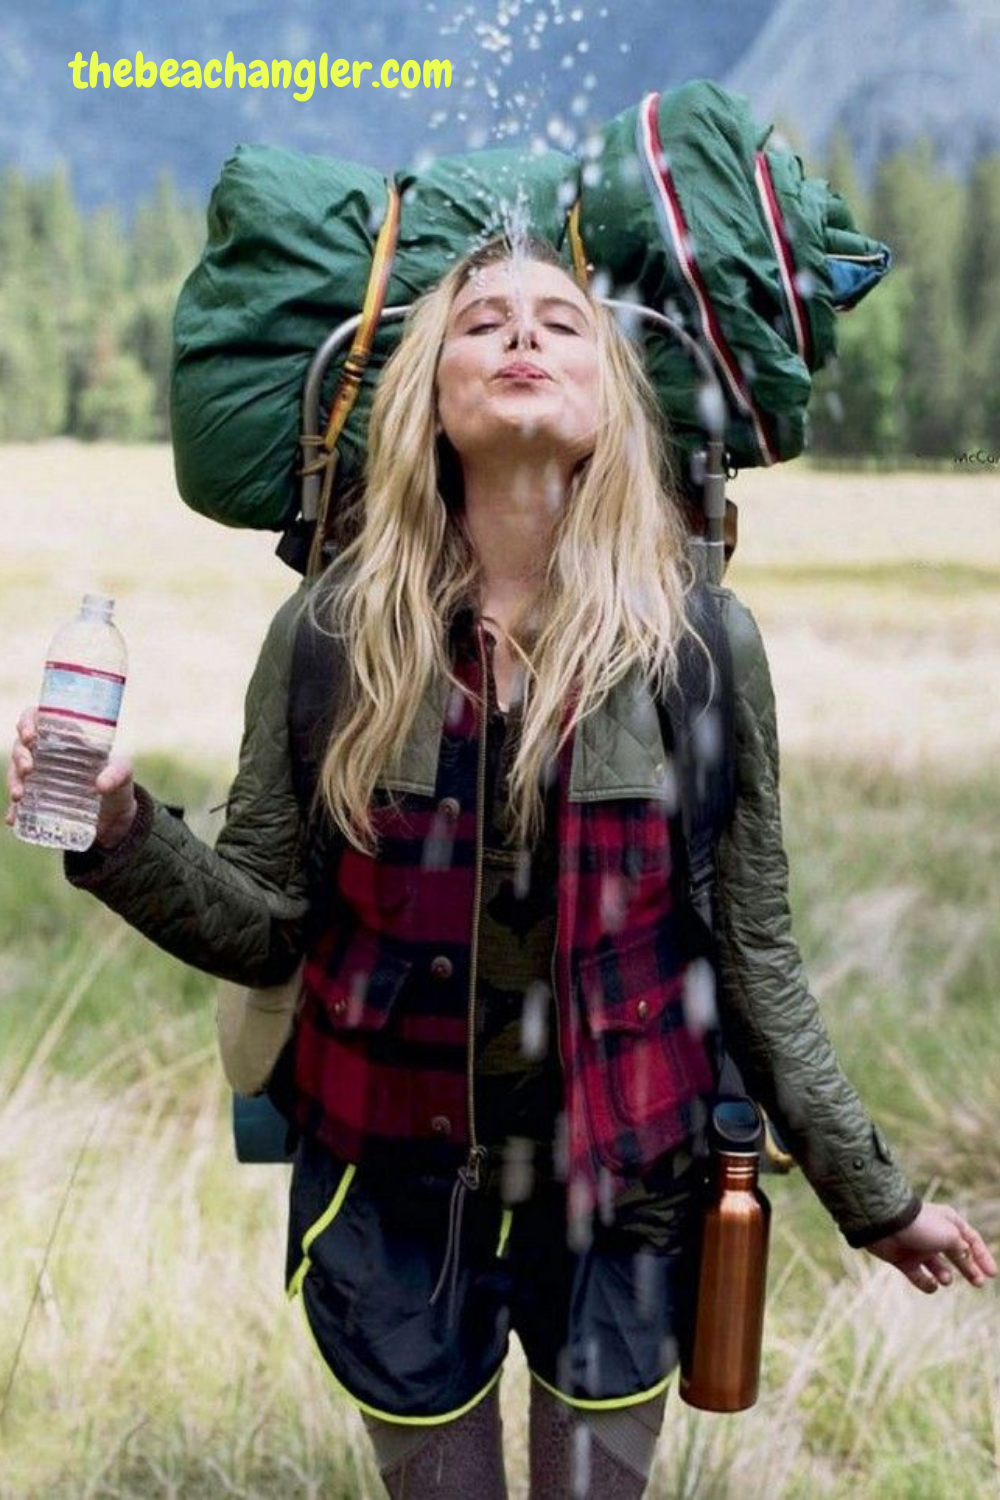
511,518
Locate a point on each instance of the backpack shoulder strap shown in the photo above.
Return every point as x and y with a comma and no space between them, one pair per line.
698,718
318,675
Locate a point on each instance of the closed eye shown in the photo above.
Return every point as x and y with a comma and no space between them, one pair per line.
559,327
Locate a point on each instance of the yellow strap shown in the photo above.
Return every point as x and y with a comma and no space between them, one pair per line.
576,246
357,360
355,365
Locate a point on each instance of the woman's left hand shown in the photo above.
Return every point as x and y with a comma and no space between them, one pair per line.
938,1239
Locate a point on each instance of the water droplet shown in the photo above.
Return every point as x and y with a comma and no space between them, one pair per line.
711,406
580,1468
601,284
645,1282
517,1170
535,1020
360,980
700,1013
566,195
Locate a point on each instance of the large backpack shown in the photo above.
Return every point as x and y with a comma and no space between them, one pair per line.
681,203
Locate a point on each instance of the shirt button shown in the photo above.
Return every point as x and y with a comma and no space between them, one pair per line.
449,807
442,967
642,1009
441,1125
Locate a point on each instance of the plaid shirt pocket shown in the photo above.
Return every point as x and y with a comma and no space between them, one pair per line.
357,976
640,1067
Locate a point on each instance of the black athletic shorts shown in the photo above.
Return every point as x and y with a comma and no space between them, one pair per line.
600,1324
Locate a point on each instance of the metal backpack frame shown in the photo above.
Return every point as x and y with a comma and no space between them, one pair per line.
708,551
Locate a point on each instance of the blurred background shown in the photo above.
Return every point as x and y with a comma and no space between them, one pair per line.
145,1345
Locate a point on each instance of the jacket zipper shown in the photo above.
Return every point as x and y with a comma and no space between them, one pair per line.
477,1153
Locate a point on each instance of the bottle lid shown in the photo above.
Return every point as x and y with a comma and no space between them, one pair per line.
736,1126
98,604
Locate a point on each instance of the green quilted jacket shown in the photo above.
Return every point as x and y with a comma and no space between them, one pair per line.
238,911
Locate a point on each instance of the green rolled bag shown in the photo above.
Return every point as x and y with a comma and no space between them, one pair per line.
679,206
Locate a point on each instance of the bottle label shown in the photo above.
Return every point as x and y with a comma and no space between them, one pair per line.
84,693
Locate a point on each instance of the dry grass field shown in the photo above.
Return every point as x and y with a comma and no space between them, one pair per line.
145,1347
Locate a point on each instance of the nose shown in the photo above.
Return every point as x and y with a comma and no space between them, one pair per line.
522,331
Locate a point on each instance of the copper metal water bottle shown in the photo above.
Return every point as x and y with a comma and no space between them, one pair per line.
720,1367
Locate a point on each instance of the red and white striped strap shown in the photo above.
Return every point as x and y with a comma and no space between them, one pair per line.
653,157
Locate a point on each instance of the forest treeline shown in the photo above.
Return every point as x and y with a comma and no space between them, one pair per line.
86,303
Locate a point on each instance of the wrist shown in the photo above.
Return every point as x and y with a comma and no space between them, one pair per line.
115,830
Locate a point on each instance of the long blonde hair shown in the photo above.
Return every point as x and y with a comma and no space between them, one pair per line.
612,597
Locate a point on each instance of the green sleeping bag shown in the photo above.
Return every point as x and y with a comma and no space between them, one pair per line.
681,208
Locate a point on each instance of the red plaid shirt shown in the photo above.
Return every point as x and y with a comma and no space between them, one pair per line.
382,1051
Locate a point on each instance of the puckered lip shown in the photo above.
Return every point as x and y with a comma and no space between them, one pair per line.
521,370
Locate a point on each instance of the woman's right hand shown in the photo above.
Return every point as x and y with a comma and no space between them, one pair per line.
115,785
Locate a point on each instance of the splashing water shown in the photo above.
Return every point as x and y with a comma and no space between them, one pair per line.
504,35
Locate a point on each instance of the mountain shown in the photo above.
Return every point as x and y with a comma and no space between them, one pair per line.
882,73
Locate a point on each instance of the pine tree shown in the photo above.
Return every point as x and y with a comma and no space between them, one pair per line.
979,295
917,210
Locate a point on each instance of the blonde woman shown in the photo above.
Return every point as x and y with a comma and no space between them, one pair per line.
469,832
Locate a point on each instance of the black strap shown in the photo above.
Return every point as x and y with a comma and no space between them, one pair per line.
698,722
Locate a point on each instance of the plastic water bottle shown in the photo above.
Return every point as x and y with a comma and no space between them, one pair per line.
77,717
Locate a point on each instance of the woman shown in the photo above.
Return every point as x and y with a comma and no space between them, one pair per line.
500,1071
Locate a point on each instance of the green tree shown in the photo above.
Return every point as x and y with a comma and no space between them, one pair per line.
167,237
917,210
979,295
841,172
118,397
857,408
33,389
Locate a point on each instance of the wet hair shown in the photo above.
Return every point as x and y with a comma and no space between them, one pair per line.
612,601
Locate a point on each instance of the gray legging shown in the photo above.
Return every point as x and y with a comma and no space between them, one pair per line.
573,1454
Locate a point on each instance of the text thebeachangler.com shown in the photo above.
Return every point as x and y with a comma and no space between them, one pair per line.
305,74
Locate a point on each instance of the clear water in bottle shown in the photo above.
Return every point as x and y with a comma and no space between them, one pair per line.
77,717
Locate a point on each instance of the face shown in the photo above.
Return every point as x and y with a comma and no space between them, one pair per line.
517,376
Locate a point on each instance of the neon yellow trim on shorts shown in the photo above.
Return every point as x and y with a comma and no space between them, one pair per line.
612,1404
388,1416
505,1224
326,1218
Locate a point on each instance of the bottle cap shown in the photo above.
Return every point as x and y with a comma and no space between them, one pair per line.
98,604
736,1126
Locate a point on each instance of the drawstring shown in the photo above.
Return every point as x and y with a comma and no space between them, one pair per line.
467,1181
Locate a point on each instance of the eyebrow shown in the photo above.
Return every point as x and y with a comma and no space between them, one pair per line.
502,304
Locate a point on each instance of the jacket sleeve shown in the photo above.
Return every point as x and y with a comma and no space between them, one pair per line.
238,910
771,1022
